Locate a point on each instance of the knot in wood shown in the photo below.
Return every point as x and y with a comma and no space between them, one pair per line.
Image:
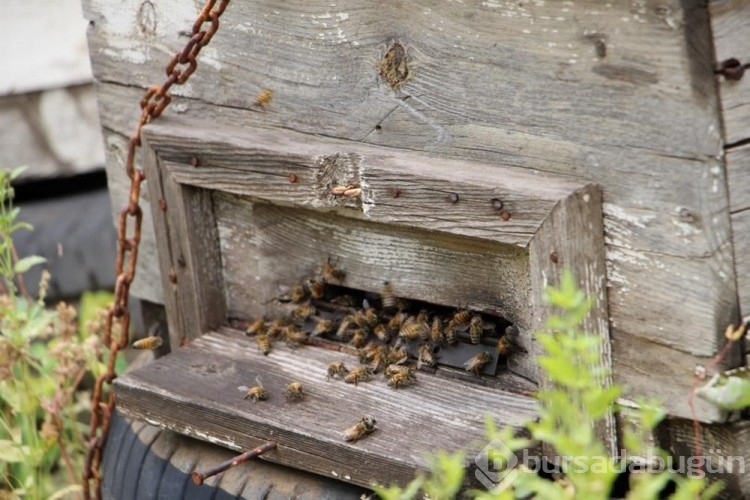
394,66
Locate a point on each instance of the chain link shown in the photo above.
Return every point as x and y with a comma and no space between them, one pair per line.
153,103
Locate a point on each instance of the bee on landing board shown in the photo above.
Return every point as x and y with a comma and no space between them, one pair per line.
256,393
323,326
264,344
359,430
476,363
398,376
256,327
426,356
503,346
358,374
337,369
294,392
152,342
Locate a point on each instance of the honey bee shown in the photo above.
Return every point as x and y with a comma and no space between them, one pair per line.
294,337
294,392
436,331
276,328
376,356
394,324
387,296
359,430
337,369
153,342
256,327
359,338
264,344
475,329
316,288
330,273
303,312
367,354
263,98
323,326
397,355
371,316
426,356
450,333
361,320
461,317
358,374
343,300
382,333
503,346
256,393
298,294
412,330
399,377
477,362
343,331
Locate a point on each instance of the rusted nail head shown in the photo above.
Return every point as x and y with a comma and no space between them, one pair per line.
197,477
453,198
505,215
553,257
194,161
172,276
394,192
292,178
497,203
162,204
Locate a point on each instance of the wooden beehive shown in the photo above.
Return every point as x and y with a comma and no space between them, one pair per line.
602,128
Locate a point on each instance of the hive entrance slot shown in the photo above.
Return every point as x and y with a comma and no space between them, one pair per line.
383,329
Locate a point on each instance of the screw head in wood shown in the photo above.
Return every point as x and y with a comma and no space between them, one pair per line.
505,215
293,178
497,203
453,198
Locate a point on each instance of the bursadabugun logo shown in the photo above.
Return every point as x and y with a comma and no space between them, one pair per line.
496,466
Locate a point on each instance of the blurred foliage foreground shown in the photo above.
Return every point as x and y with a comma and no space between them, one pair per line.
45,355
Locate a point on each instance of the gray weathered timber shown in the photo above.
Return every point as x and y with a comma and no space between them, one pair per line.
741,227
738,178
194,391
730,22
640,118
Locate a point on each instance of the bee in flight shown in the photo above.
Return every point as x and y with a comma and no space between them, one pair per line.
256,392
477,362
359,430
153,342
264,98
387,296
294,392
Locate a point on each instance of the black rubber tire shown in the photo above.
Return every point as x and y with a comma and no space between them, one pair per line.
143,462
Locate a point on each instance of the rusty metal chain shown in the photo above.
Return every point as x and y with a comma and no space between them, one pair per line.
153,103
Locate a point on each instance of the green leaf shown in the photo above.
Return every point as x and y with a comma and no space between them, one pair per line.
727,392
17,171
12,452
27,263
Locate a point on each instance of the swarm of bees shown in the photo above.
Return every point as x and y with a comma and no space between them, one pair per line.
392,336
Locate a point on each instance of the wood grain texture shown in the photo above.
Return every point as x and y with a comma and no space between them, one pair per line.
641,119
194,391
738,178
730,23
189,254
258,162
741,229
572,237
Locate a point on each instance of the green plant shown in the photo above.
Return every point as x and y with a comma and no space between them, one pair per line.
575,396
43,357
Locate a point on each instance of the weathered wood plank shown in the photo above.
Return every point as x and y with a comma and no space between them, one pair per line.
741,229
195,390
572,237
738,179
258,162
730,23
189,254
